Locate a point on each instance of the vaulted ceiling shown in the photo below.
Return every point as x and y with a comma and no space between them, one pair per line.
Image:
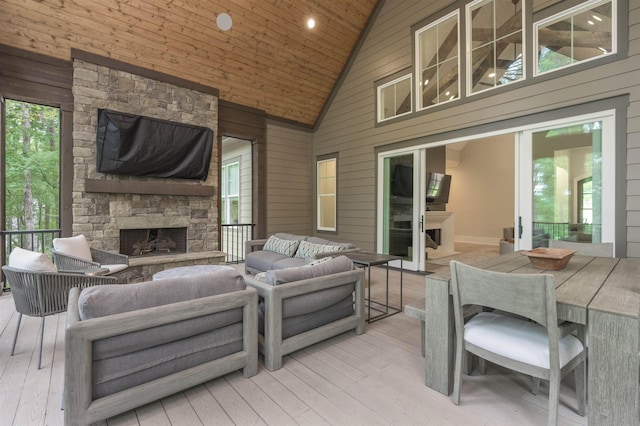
268,59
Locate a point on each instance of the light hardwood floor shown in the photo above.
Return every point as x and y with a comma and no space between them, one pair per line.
373,379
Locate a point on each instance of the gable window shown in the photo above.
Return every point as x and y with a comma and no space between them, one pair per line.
230,192
438,62
494,40
394,98
326,189
579,34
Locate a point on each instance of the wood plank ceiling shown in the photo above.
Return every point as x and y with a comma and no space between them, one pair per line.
268,59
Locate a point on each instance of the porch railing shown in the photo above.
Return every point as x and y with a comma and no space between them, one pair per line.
233,238
34,240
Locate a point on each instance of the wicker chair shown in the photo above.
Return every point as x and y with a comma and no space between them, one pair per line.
38,294
73,254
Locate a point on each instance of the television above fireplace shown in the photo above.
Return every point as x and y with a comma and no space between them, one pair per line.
135,145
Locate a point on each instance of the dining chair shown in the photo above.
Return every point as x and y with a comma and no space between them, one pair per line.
584,249
522,333
73,254
38,290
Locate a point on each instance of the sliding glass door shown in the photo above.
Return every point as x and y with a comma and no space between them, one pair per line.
401,205
566,182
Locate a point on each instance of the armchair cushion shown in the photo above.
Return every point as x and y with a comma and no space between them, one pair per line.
333,266
115,268
281,246
73,246
30,261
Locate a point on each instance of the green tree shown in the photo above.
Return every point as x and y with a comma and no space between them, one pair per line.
32,157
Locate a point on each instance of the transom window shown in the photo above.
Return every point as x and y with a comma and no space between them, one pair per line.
437,62
394,98
494,34
579,34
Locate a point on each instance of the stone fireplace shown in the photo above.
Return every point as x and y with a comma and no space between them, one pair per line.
104,205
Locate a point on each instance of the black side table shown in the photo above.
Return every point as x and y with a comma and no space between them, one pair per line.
367,260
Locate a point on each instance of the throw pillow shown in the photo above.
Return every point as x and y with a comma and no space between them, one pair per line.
280,246
30,261
307,250
73,246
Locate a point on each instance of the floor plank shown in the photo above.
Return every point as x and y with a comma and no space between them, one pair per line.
374,378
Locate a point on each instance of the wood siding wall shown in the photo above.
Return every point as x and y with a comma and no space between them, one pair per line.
289,185
348,126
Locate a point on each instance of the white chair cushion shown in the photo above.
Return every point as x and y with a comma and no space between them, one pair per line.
73,246
524,341
30,261
115,268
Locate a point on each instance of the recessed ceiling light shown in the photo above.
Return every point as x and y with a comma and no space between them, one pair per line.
491,75
597,18
311,23
590,22
224,21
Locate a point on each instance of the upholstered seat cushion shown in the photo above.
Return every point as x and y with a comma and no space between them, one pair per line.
524,341
333,266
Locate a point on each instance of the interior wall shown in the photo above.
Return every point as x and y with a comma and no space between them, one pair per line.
482,195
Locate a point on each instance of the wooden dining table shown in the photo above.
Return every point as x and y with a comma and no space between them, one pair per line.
599,292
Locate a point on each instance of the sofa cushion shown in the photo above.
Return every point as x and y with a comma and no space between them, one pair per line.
30,261
263,260
333,266
307,250
99,301
288,262
73,246
281,246
285,236
318,240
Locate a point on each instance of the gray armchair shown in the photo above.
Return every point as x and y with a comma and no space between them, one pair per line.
305,305
126,346
39,293
73,254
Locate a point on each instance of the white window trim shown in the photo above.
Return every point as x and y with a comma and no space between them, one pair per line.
418,71
574,10
469,71
224,192
334,194
379,98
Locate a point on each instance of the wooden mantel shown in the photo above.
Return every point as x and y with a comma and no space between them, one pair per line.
149,188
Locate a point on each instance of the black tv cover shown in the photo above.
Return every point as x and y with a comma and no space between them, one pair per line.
142,146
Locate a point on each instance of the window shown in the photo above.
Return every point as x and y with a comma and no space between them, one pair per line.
32,169
494,40
394,98
579,34
437,62
585,200
326,189
230,189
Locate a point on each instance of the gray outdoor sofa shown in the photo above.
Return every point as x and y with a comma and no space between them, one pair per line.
305,305
283,250
128,345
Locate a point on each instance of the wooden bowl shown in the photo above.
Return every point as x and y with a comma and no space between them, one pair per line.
552,259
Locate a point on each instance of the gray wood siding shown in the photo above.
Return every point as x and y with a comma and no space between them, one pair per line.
289,180
348,126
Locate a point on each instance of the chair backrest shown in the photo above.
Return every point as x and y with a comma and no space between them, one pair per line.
528,295
585,249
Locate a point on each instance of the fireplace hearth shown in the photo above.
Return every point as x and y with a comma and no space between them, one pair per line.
153,241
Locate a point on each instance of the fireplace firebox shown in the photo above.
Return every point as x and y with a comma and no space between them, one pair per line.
153,241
